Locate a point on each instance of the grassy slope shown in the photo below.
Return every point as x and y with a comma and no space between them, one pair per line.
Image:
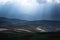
32,36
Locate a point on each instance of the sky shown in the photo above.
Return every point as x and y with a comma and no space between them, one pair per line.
30,9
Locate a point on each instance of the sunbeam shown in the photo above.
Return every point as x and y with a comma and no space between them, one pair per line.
27,6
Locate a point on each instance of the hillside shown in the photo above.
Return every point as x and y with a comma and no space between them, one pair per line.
47,25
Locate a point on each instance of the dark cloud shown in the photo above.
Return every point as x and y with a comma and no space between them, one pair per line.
56,12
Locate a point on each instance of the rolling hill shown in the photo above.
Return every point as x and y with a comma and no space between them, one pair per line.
48,25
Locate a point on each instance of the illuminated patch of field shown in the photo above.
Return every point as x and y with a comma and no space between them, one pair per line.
23,30
40,30
3,29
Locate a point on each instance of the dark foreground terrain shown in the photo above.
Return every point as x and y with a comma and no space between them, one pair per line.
30,36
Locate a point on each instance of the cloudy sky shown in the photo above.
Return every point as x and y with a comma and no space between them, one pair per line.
30,9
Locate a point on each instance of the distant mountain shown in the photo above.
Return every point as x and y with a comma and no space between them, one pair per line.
48,25
11,21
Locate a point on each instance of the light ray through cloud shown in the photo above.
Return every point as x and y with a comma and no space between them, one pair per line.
28,6
28,9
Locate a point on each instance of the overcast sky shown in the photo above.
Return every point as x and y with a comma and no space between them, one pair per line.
30,10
